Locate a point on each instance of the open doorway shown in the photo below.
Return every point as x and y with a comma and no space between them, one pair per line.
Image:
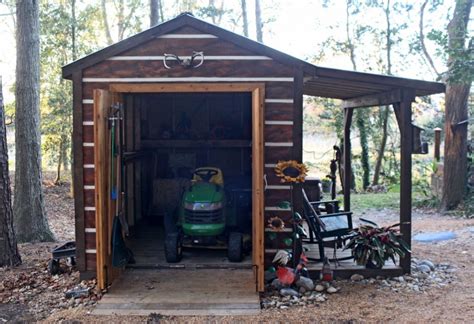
143,168
193,177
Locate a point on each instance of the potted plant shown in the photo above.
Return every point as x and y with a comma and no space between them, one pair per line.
372,245
326,185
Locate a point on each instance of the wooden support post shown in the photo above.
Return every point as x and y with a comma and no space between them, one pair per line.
78,171
298,134
437,143
348,112
406,145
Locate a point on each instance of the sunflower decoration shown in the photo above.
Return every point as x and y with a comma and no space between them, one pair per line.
291,171
276,223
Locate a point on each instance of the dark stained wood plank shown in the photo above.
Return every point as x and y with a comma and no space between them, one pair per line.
78,162
89,219
88,176
185,47
279,133
285,215
88,89
91,262
274,197
423,87
279,111
279,90
88,154
280,239
211,68
385,98
89,197
273,154
90,241
88,133
88,112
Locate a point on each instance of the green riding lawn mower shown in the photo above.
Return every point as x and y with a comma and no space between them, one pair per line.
209,216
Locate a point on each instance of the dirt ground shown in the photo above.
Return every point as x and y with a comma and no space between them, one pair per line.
355,302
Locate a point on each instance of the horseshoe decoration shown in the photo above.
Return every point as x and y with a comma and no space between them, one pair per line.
193,62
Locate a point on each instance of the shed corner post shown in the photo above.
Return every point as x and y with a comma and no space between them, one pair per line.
406,144
78,171
298,131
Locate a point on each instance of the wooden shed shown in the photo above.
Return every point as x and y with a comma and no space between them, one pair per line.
241,110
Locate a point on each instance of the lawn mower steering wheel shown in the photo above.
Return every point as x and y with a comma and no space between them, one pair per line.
205,174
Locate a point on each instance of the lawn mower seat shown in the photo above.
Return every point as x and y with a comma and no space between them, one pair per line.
217,179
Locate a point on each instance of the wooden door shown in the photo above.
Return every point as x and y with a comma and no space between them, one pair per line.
258,196
105,208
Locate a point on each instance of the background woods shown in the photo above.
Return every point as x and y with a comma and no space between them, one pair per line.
428,39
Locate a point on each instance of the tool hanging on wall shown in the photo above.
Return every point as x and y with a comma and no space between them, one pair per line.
188,62
121,254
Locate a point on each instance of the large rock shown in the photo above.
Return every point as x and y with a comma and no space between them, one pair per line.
288,292
428,263
277,284
357,277
306,283
423,268
320,288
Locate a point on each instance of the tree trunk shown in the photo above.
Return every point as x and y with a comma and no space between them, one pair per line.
360,115
9,255
258,21
383,144
154,13
245,21
57,181
386,111
30,217
105,21
364,156
457,94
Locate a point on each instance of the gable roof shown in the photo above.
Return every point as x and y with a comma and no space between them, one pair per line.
317,79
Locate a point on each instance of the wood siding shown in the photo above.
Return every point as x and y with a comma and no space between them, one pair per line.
280,128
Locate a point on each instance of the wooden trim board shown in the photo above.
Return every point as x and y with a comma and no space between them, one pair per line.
258,101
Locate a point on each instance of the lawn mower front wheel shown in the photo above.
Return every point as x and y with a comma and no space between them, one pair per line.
173,248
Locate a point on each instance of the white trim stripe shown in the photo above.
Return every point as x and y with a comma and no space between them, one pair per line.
278,100
86,187
187,36
279,122
89,208
89,166
91,251
275,208
278,144
88,144
191,79
270,165
206,57
276,187
90,230
88,123
88,101
286,229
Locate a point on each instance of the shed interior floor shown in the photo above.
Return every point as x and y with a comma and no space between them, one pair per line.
148,249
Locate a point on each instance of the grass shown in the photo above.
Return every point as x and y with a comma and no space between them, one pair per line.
362,202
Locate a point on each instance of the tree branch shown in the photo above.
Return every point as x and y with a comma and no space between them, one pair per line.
422,40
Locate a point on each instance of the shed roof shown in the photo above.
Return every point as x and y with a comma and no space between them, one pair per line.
318,81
